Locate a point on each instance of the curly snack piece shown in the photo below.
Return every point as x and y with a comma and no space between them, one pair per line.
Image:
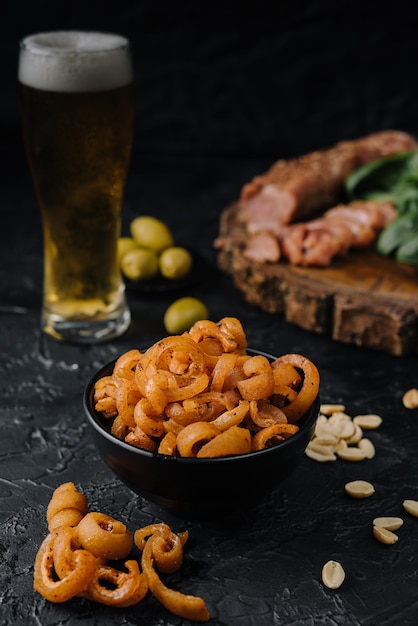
259,381
159,543
79,560
117,588
273,434
168,547
194,436
104,536
201,394
83,567
66,507
310,385
64,546
234,440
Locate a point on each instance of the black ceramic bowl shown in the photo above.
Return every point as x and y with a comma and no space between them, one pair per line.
197,487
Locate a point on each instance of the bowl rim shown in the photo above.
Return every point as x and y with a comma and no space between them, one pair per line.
95,421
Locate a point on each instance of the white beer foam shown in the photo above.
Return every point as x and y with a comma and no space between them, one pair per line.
75,61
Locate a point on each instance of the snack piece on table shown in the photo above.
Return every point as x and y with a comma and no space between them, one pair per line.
78,559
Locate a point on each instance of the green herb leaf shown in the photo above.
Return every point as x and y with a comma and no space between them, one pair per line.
393,179
384,178
394,235
408,251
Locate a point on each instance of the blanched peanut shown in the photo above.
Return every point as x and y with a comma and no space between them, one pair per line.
368,422
390,523
339,434
367,448
359,489
384,536
321,457
329,409
411,507
351,454
410,399
333,574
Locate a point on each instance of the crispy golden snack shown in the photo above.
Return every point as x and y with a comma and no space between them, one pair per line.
79,559
308,391
168,546
104,536
66,507
234,440
233,417
80,574
192,437
168,444
186,390
117,588
259,381
273,434
265,414
105,397
65,543
164,550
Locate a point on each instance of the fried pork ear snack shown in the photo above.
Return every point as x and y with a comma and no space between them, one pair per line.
78,559
273,434
104,536
201,395
308,391
80,574
234,440
117,588
163,549
66,508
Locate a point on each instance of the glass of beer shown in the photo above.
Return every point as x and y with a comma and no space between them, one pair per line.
77,105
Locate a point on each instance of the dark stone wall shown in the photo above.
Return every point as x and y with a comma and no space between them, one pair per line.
263,79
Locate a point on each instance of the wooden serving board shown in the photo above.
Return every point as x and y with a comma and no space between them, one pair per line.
363,298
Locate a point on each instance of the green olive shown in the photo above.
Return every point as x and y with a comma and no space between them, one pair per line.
183,313
139,264
149,232
175,262
124,245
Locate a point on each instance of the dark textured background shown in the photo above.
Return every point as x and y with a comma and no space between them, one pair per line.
257,78
223,88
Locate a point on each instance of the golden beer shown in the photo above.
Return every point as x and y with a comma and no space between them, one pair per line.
77,107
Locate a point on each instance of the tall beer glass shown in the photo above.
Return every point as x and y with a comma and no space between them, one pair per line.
77,106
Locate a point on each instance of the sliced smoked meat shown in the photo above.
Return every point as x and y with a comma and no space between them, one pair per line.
318,241
294,189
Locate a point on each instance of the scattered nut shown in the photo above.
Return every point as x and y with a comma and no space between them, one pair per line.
318,456
384,535
411,507
351,454
326,440
341,423
321,419
356,436
333,574
324,430
336,433
410,399
359,489
368,422
390,523
339,416
329,409
322,448
347,429
367,447
341,445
